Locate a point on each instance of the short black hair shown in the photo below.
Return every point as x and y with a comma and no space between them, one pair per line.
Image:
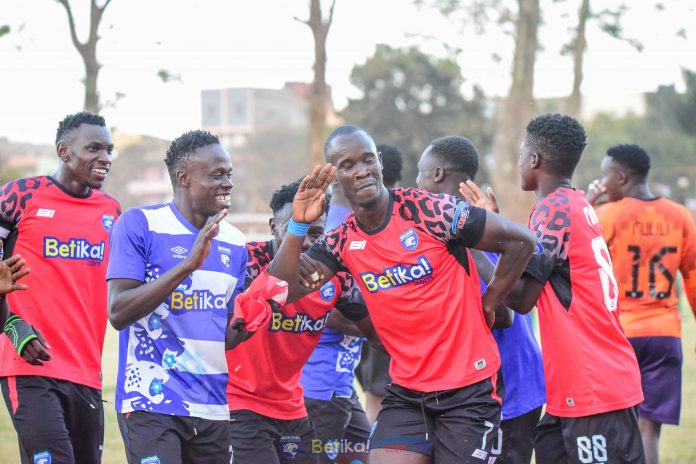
286,194
392,163
632,157
183,147
72,121
457,154
339,131
558,139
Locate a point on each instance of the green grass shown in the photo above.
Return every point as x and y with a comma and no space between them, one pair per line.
678,444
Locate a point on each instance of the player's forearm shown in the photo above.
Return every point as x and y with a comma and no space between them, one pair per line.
514,257
130,301
286,265
338,321
368,331
4,312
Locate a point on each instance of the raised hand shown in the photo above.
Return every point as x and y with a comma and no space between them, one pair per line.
594,191
11,270
473,194
310,200
308,271
201,247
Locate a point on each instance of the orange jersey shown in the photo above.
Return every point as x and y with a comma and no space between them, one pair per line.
649,241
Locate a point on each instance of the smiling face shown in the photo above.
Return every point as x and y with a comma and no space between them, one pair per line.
208,179
86,158
358,168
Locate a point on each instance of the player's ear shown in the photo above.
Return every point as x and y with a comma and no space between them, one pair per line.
63,151
272,225
621,177
534,160
183,179
438,174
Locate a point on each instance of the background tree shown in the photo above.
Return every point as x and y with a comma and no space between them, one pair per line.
318,97
410,98
88,50
516,109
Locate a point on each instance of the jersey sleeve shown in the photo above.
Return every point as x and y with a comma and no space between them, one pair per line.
258,258
129,247
550,223
444,217
327,249
14,197
687,267
350,302
241,284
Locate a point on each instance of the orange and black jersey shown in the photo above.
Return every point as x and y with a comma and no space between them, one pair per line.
649,241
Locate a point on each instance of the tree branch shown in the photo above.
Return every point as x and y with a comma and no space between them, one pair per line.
305,22
71,23
327,25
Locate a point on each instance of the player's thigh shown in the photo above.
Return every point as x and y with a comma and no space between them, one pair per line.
35,405
358,429
152,438
467,422
330,419
549,446
211,442
402,427
518,438
85,421
612,437
253,438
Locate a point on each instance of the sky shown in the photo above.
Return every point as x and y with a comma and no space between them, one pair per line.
259,43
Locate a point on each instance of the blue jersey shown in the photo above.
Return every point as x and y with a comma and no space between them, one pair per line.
172,361
330,368
521,363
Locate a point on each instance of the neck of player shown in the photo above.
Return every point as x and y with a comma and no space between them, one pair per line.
372,216
639,190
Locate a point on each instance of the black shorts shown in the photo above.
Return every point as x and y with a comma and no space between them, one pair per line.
517,438
152,438
56,420
261,439
452,426
373,370
611,437
341,427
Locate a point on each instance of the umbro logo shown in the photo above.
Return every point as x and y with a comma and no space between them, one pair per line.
179,252
42,212
357,245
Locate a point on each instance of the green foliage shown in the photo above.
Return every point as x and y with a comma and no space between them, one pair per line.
410,98
667,132
4,29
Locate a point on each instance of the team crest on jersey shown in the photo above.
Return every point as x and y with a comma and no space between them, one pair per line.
327,291
225,259
289,446
108,222
43,457
409,240
150,460
539,249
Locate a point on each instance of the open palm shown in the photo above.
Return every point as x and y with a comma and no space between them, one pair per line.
310,200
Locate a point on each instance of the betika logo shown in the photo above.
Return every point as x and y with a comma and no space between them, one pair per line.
196,300
398,275
299,323
74,248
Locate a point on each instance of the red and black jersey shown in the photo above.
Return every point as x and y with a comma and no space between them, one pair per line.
65,240
265,371
421,287
589,365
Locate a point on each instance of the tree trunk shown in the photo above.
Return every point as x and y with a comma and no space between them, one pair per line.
91,75
513,115
574,103
318,94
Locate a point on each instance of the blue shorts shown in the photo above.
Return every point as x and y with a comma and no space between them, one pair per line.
660,362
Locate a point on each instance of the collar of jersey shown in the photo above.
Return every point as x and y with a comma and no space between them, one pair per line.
185,221
387,218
